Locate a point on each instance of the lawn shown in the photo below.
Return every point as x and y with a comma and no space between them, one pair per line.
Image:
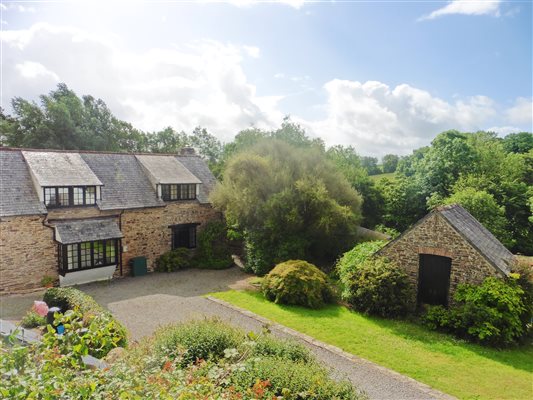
461,369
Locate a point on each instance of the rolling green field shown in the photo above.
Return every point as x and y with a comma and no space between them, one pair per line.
390,175
461,369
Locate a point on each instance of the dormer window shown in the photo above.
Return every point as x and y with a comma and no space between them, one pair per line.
173,192
67,196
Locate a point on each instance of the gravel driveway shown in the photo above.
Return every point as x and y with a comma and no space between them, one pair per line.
144,303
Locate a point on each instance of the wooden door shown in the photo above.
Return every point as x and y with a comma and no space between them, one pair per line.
434,279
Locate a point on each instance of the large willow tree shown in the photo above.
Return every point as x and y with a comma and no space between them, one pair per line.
288,202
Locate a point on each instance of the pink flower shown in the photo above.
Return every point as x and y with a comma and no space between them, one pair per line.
40,308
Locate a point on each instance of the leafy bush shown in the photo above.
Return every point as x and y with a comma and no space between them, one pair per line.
69,298
493,313
52,370
197,340
173,260
292,380
93,334
377,286
32,320
281,348
213,248
350,260
93,316
297,282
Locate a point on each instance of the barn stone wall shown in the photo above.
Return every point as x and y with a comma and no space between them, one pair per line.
434,235
28,251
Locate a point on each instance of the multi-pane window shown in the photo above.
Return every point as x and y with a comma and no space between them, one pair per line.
178,192
184,236
86,255
64,196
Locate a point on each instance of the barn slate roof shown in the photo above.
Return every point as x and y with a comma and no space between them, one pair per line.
17,193
68,232
125,184
473,232
478,236
60,169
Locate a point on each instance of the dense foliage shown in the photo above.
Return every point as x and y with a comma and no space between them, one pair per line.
379,287
494,313
84,315
32,320
454,167
288,202
52,370
173,260
213,250
297,282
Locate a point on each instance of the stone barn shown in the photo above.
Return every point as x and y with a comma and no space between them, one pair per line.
445,248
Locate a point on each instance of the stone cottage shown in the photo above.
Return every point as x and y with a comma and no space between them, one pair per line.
82,216
445,248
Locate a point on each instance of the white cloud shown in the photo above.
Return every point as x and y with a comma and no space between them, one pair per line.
378,119
467,7
521,113
297,4
504,130
202,83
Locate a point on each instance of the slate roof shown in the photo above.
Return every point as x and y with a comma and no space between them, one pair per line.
125,183
478,236
86,230
165,169
200,169
17,193
59,169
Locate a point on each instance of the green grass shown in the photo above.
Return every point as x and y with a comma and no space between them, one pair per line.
461,369
390,175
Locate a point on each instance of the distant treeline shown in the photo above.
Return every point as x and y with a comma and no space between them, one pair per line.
492,177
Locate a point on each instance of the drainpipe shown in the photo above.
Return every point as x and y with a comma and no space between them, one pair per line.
46,224
120,227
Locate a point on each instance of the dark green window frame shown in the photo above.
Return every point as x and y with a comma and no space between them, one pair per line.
175,192
69,196
88,255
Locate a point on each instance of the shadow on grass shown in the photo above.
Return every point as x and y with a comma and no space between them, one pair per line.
519,357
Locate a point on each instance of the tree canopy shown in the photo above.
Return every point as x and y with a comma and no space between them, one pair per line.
288,202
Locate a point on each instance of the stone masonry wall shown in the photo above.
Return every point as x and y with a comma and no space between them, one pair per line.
28,252
435,236
147,232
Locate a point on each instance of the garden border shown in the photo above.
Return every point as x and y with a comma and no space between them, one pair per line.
336,350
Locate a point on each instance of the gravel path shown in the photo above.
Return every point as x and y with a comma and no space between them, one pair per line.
145,303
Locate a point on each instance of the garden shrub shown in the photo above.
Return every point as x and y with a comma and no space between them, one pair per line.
173,260
378,287
297,282
289,379
32,320
93,315
281,348
92,334
492,313
213,250
197,340
69,298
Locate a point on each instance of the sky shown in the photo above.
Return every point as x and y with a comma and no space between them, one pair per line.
382,76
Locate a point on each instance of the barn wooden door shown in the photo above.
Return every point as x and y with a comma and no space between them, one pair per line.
434,279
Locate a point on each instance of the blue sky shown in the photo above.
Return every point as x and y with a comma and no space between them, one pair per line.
382,76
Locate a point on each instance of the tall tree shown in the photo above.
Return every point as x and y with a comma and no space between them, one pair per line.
389,163
288,202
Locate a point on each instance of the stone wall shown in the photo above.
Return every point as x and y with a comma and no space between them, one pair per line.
434,235
28,251
147,232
